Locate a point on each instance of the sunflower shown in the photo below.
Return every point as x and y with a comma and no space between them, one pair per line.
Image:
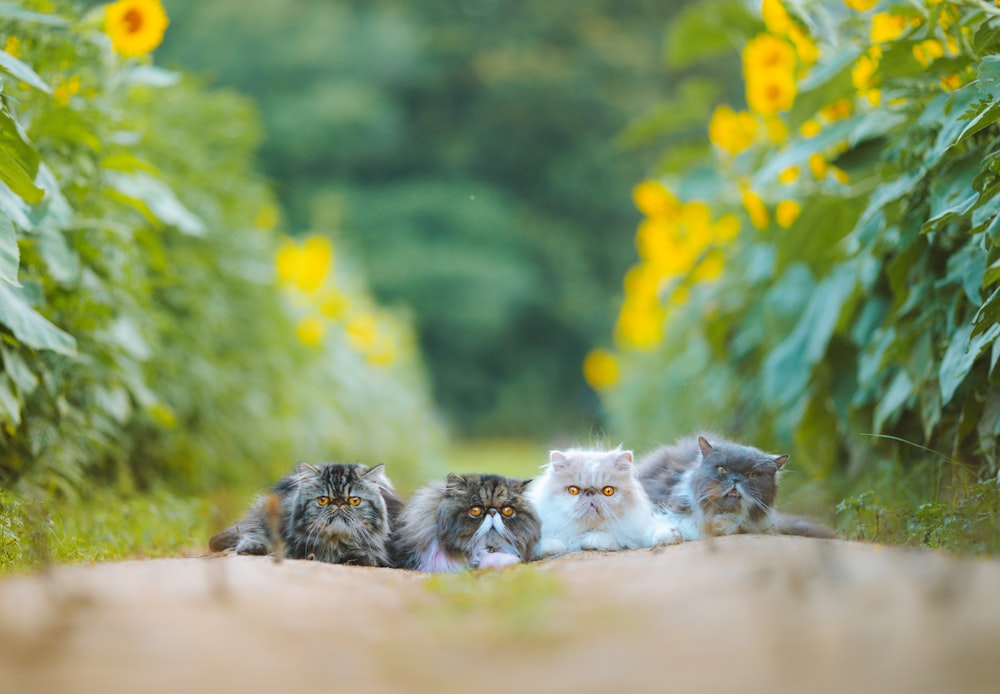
135,26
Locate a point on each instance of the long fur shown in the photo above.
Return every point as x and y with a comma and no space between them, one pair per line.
439,533
709,486
589,519
336,531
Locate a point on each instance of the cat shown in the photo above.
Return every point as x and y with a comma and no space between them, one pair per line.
467,522
708,486
592,500
331,512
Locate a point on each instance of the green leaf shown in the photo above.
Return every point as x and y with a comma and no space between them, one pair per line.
14,11
987,37
18,160
700,33
30,327
15,207
952,194
10,256
966,268
10,405
157,199
788,368
22,72
893,400
23,377
152,76
962,352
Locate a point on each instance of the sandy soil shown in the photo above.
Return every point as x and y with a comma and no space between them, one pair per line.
739,614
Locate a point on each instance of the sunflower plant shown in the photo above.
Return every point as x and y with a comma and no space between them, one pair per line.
155,324
853,312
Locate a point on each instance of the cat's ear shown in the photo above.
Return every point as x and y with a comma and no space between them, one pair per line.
704,445
375,471
306,468
557,458
780,460
454,480
623,461
520,485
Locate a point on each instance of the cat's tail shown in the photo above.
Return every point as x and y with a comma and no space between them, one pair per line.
801,526
227,539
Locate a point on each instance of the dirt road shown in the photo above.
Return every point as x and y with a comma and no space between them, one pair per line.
739,614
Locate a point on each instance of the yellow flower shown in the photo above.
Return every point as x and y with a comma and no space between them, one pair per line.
786,213
727,228
642,285
777,131
13,46
873,96
755,208
838,110
362,332
810,129
771,92
135,27
654,199
310,331
951,82
731,131
639,325
332,303
765,53
818,165
600,369
789,175
861,5
805,47
304,267
887,27
680,296
863,72
710,268
775,17
65,91
839,175
926,52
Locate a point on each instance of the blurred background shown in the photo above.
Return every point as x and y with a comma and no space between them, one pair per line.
450,234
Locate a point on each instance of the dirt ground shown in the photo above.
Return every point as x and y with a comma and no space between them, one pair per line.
739,614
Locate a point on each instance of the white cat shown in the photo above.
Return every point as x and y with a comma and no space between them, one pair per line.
591,499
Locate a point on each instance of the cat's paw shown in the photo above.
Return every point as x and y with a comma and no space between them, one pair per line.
245,546
601,542
665,535
495,560
549,547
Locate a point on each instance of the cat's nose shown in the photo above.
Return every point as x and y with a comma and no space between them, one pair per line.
338,502
493,512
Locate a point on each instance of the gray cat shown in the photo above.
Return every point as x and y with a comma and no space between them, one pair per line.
331,512
708,486
467,521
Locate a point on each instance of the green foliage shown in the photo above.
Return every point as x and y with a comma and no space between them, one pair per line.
875,310
469,157
143,334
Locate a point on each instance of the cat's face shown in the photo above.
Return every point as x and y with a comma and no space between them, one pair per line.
487,514
339,501
590,487
736,479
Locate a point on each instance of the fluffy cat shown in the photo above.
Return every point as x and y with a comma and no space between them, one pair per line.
467,522
331,512
591,499
708,486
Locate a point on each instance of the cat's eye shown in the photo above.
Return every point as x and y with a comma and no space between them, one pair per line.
322,500
608,491
573,489
354,500
721,470
507,511
752,474
476,511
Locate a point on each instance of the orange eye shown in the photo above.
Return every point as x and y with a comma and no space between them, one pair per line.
476,511
573,489
608,491
507,511
322,500
721,470
354,500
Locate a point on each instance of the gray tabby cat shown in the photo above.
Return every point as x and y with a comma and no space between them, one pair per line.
709,486
467,522
332,512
